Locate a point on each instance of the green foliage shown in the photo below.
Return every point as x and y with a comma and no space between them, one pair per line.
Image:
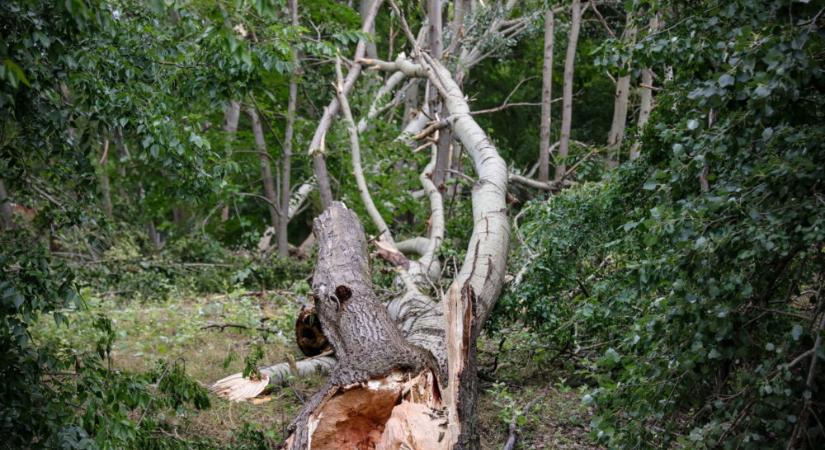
66,396
689,307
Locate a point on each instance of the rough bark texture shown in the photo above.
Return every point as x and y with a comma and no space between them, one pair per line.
266,168
567,89
367,343
316,147
546,96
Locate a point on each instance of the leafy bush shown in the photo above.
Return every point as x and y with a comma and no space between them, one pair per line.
57,395
690,283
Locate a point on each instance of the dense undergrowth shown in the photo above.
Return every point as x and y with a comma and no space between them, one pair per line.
686,289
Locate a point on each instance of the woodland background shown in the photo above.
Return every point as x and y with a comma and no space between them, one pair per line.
665,272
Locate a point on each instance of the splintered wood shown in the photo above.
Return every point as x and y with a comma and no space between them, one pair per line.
237,388
391,413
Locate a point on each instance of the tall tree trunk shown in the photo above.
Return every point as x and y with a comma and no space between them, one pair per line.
266,169
105,190
645,97
6,219
364,9
567,89
122,154
230,123
230,126
434,18
154,236
546,96
283,217
317,147
619,123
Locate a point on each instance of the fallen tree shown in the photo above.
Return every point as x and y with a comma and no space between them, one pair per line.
403,375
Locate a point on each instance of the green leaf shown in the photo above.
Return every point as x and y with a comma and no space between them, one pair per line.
15,72
726,80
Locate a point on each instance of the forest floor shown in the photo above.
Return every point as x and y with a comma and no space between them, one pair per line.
189,330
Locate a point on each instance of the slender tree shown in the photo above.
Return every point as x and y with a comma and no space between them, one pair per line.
266,169
567,88
619,123
103,177
283,216
546,96
436,38
364,9
645,96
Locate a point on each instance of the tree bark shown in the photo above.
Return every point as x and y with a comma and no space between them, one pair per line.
476,288
411,103
230,126
266,169
283,216
316,147
6,219
364,9
367,343
105,190
567,89
546,96
645,97
617,126
230,123
434,20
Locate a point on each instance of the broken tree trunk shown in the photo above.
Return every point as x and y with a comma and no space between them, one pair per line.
375,364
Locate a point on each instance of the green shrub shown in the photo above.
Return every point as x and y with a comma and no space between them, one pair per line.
693,308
